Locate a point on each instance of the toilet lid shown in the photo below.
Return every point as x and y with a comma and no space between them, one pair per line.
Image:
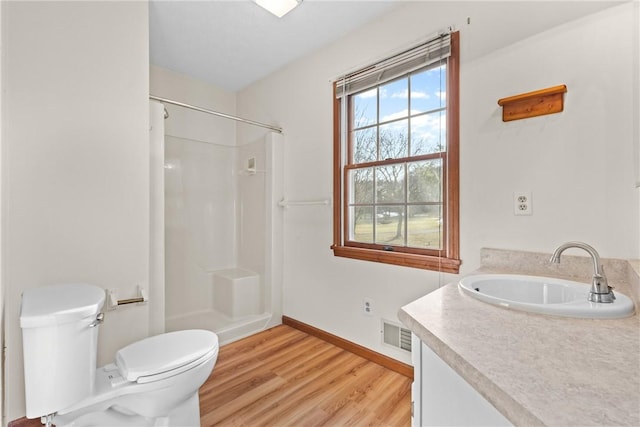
165,352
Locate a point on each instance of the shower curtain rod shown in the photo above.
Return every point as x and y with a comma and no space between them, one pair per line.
216,113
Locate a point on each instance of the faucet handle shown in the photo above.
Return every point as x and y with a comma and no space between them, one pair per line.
600,290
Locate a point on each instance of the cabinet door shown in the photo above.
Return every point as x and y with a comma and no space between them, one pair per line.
445,399
416,386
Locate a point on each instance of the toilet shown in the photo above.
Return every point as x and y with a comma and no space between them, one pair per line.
152,382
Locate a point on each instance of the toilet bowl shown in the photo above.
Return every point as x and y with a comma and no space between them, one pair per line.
152,382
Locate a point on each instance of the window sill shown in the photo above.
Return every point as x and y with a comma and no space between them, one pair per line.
446,265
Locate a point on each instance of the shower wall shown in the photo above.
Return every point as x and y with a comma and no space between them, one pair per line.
251,191
223,231
200,223
222,224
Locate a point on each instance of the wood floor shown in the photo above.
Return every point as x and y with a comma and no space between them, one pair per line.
284,377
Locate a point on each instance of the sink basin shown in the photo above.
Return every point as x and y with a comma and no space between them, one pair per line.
543,295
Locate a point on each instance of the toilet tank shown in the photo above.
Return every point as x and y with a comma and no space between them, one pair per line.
59,342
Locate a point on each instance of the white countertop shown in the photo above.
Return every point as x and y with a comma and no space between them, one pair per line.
537,369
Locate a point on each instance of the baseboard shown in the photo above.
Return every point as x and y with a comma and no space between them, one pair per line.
380,359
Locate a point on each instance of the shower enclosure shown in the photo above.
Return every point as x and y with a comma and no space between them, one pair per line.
222,235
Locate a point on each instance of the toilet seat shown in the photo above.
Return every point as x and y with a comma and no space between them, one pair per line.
165,355
162,375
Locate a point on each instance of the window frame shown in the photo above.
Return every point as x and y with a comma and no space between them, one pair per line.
447,259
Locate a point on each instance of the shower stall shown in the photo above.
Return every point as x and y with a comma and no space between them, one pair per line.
222,231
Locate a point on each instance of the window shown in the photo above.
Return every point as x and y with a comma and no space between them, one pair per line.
396,159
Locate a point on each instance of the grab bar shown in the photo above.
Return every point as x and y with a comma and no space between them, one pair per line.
285,203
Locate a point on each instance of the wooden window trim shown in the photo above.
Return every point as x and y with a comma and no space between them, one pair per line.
376,246
445,261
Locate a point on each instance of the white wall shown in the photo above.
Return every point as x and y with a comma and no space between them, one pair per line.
636,88
577,163
1,221
185,123
75,161
636,73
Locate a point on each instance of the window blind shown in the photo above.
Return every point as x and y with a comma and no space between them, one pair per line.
426,53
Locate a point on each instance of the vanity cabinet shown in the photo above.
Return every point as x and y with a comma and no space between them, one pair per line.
441,397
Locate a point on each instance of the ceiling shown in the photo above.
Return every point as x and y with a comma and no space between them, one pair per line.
231,44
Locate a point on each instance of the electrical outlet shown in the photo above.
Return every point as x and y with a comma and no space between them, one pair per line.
367,306
522,203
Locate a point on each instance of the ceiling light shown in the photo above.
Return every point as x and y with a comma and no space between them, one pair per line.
278,7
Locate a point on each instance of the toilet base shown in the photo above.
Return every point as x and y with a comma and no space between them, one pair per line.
186,414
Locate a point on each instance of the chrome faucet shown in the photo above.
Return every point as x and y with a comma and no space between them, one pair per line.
600,289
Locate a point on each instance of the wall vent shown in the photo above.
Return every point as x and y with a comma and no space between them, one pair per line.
396,336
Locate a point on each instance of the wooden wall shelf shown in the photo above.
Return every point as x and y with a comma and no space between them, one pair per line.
532,104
